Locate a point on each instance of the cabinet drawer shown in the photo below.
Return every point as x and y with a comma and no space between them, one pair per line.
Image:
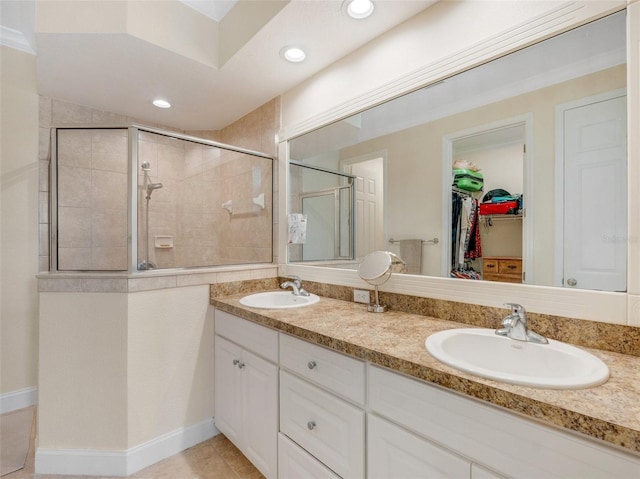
490,265
510,266
329,428
251,336
337,372
296,463
504,278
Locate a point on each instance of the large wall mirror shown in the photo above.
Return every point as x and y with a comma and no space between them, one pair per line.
513,171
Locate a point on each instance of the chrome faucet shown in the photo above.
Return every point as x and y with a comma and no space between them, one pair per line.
296,285
515,326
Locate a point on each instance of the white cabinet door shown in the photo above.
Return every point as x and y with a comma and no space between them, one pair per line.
228,389
393,452
246,404
260,412
296,463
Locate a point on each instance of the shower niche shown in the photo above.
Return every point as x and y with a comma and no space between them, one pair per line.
137,198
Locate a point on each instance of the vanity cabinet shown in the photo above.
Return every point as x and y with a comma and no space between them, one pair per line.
341,417
246,389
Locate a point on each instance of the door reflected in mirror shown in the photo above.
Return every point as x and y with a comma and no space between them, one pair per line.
546,124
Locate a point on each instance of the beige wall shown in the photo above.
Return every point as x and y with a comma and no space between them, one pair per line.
170,361
120,369
83,360
19,241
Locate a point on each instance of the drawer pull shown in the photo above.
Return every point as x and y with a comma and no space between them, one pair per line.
512,266
312,364
311,425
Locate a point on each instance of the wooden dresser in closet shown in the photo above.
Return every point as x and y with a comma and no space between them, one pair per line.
507,269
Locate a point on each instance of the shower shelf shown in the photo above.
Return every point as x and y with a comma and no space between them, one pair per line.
163,241
244,206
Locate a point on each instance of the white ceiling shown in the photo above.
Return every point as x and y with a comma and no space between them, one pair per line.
122,73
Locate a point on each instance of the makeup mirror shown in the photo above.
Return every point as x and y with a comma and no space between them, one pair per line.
376,269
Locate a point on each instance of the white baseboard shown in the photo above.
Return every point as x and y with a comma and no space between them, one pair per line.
122,463
14,400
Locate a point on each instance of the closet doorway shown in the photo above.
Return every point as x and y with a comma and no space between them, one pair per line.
492,246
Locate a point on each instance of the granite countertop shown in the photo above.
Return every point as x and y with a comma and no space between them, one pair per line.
610,412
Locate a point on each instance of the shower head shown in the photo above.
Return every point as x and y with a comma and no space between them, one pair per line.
151,187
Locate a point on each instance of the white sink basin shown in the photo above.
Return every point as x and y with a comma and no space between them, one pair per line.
481,352
278,300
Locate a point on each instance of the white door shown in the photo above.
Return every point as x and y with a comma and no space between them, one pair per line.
369,201
595,195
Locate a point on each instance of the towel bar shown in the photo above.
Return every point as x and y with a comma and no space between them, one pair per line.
431,241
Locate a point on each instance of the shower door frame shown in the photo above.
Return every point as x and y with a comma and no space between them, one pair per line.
132,189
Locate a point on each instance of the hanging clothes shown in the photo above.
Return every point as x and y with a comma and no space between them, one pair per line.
465,235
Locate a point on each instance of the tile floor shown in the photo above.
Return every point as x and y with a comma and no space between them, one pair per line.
215,458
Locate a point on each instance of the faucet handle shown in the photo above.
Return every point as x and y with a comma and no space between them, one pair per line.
516,309
510,320
296,279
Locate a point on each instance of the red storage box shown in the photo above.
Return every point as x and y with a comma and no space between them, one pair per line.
498,208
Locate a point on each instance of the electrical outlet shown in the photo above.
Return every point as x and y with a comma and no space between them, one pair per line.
361,296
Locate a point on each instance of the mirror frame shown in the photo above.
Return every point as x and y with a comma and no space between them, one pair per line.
618,308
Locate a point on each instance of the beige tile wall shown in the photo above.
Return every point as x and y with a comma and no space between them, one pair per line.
197,179
92,199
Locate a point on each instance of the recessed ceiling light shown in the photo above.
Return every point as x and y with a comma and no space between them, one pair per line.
162,103
293,54
358,9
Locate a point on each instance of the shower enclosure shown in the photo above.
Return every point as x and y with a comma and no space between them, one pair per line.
137,198
326,197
